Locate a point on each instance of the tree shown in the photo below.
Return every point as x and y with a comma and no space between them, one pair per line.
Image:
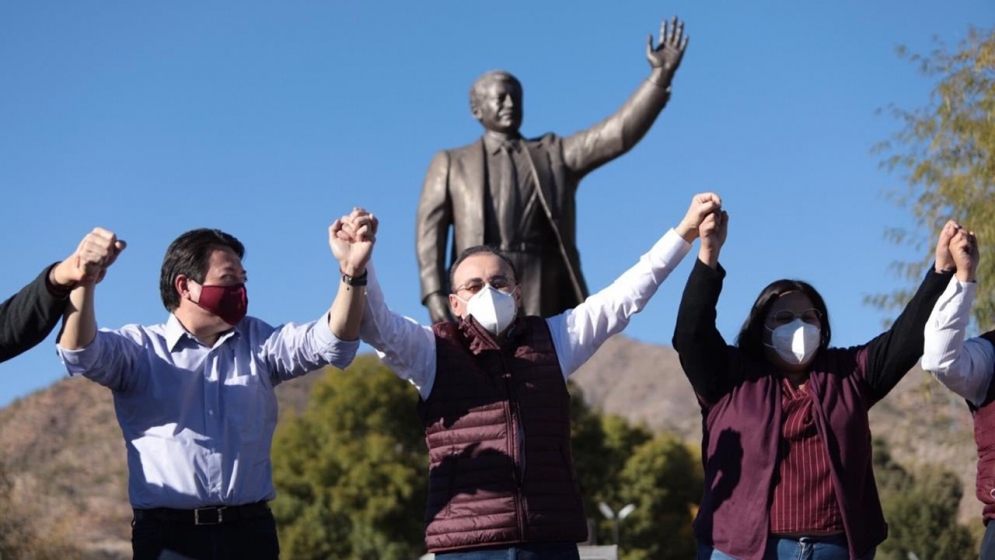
891,478
618,464
922,520
350,470
921,511
664,480
621,441
587,435
946,151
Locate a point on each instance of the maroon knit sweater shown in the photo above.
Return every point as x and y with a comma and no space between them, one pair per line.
742,412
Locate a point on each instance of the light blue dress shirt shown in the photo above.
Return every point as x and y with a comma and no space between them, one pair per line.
198,421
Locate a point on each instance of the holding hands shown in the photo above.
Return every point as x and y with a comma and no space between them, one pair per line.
88,264
957,248
708,221
702,205
351,238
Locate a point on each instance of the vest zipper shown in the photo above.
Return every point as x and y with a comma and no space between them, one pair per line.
514,418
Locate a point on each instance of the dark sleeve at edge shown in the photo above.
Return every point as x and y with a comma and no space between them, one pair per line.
703,352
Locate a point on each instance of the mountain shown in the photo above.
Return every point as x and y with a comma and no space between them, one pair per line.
63,450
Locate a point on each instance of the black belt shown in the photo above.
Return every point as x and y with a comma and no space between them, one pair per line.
212,515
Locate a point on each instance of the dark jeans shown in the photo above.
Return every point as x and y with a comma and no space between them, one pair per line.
531,551
804,548
238,540
988,543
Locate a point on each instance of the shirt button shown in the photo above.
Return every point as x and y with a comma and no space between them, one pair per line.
211,412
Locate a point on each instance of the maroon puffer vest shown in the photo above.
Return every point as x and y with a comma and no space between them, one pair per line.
489,404
984,437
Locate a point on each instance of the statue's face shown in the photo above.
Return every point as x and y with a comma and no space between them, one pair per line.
499,106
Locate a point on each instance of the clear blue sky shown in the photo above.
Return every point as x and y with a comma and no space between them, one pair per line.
271,119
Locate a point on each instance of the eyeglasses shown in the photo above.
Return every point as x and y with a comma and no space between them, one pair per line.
810,316
498,282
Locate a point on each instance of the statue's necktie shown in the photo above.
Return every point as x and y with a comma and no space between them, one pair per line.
507,194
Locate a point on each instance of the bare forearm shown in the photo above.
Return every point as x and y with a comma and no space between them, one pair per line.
346,313
709,258
79,325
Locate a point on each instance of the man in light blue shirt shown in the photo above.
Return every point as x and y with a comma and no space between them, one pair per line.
194,396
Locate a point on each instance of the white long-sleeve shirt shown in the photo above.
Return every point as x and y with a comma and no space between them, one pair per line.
408,348
963,366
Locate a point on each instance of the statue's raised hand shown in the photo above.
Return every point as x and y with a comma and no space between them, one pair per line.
667,55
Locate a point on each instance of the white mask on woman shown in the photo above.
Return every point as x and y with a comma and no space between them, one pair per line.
795,342
493,309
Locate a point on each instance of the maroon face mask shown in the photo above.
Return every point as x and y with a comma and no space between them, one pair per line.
231,303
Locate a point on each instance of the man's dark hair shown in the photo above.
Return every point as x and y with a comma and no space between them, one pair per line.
476,250
189,255
751,337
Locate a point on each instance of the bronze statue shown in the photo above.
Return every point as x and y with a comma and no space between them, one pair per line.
517,194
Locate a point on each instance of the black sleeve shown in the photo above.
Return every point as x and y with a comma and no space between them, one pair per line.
28,316
703,352
894,352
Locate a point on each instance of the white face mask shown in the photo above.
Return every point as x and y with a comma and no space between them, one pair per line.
493,309
795,342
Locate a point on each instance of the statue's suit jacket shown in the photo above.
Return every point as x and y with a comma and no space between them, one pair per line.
454,192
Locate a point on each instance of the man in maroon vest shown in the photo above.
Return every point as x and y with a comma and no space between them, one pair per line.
966,367
494,399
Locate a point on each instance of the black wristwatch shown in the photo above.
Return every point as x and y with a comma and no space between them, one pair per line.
355,280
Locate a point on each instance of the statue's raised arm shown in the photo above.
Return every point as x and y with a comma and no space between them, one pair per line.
587,150
518,194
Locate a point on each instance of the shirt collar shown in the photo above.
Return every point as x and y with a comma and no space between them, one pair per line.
494,143
175,332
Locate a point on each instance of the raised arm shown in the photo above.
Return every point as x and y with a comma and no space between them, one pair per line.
579,332
293,350
405,347
88,265
347,310
107,358
28,316
435,215
963,366
703,352
893,353
587,150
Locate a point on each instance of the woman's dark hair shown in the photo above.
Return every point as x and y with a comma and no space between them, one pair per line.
189,255
751,336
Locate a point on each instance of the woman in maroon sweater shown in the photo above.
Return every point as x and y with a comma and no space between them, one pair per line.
786,444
